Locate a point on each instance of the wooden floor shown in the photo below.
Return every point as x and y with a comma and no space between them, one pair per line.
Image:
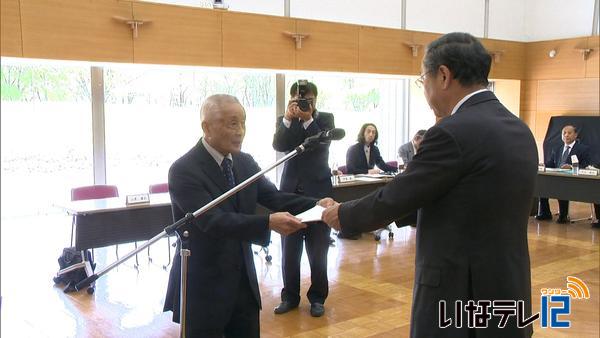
370,285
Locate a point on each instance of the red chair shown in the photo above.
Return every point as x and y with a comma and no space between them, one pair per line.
158,189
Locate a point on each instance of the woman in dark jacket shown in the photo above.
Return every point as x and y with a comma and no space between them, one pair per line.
362,157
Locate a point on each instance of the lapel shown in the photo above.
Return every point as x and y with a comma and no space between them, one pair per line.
212,170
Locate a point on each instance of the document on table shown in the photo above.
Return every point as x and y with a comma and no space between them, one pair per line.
311,215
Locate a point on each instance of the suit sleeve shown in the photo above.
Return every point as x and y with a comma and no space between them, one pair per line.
353,162
431,174
403,154
286,139
380,162
585,160
550,163
188,196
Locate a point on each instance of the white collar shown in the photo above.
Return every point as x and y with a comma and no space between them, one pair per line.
215,153
468,96
570,145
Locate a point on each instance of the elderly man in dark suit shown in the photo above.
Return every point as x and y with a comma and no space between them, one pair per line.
307,174
473,192
223,299
561,157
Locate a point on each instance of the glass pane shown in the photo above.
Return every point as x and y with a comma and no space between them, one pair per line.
355,99
153,117
46,135
420,114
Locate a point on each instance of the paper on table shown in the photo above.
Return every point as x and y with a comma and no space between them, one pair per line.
311,215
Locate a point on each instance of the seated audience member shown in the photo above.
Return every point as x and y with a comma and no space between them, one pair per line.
362,157
408,150
561,158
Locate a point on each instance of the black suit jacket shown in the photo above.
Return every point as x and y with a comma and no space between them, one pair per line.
310,170
474,194
356,160
221,239
581,150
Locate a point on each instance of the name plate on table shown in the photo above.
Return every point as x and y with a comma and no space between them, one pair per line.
588,172
346,178
137,199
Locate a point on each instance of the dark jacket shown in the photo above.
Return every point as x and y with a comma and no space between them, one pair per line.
581,150
474,194
221,239
356,160
309,170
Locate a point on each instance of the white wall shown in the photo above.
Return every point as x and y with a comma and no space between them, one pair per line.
380,13
516,20
442,16
507,20
558,19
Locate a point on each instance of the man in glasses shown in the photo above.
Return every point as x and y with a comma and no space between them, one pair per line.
472,182
306,174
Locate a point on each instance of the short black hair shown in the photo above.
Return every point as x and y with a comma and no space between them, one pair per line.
361,134
311,88
463,54
572,126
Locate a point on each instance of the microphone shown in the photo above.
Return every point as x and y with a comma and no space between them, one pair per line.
325,136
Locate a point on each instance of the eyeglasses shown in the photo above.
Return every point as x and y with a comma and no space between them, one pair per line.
421,79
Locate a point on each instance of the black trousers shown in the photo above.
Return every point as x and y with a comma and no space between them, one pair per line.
316,239
544,207
243,323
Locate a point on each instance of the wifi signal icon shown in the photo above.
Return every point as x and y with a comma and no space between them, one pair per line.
577,288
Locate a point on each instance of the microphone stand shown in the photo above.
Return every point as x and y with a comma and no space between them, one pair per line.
183,237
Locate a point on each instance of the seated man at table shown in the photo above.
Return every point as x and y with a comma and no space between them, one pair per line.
362,157
223,299
561,157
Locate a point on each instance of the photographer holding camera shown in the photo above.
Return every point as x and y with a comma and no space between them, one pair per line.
306,174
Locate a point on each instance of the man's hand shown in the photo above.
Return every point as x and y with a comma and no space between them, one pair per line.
292,110
327,202
330,216
374,171
305,115
284,223
566,166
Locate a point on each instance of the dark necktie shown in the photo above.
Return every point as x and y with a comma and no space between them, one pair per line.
227,168
565,155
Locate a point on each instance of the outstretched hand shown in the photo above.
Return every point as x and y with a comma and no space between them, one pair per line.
284,223
326,202
331,217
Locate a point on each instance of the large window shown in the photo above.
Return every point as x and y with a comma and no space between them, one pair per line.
357,99
46,134
153,117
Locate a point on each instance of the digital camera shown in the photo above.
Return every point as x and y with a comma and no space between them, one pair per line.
303,102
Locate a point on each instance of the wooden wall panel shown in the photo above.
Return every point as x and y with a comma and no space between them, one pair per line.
76,30
510,62
528,117
529,95
257,41
10,28
330,46
177,35
592,68
384,51
423,39
568,95
567,64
